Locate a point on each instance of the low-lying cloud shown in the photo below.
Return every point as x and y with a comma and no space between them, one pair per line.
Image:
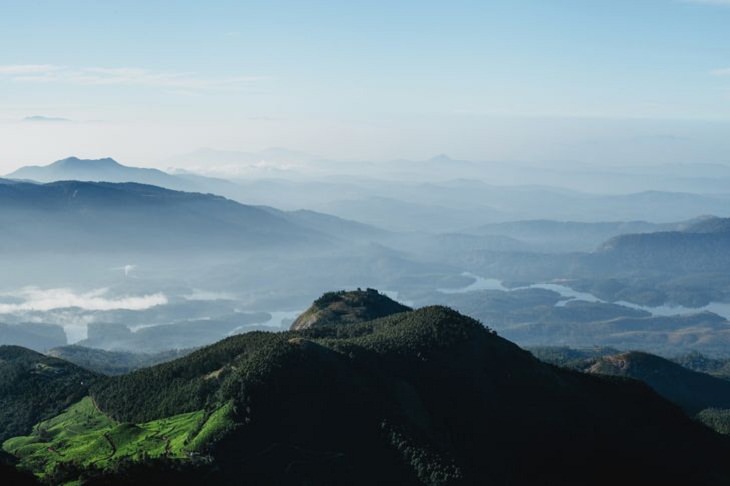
31,299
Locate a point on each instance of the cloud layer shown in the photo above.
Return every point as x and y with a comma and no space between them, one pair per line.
31,299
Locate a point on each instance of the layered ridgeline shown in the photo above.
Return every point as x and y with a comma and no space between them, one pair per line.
113,362
101,216
700,247
417,397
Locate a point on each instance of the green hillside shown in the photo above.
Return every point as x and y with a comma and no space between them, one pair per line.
34,387
85,437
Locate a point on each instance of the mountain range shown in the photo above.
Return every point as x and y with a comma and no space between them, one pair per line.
109,170
376,194
104,216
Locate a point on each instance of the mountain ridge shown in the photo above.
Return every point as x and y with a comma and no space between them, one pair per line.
104,215
95,170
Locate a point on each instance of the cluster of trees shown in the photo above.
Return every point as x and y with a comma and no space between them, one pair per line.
205,379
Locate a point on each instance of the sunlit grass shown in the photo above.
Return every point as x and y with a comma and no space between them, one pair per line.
85,436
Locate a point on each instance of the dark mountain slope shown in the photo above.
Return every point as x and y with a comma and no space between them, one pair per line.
689,389
34,387
422,397
10,476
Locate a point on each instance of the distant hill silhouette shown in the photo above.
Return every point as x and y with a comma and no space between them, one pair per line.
97,170
700,247
106,216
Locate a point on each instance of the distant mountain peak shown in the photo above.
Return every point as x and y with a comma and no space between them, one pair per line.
102,169
75,162
441,158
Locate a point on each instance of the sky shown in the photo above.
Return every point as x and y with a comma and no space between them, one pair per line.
605,82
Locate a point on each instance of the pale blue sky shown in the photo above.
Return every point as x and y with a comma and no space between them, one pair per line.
353,79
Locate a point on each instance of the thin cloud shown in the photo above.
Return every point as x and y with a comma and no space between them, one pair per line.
46,119
725,3
720,72
25,69
122,76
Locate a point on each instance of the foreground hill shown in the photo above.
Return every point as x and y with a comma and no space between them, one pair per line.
695,382
422,397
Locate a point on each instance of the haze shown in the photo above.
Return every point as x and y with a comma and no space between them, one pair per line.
606,83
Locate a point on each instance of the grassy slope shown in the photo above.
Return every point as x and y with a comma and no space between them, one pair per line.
83,435
34,387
